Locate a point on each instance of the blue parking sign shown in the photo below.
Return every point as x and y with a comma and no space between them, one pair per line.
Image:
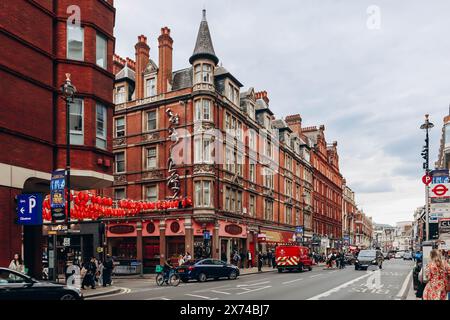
206,235
29,209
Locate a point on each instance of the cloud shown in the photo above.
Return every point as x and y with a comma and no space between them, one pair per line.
370,88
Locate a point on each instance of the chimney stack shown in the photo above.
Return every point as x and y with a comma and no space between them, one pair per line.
262,95
118,64
165,61
294,122
142,60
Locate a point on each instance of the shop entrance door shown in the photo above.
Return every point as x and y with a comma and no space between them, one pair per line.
225,249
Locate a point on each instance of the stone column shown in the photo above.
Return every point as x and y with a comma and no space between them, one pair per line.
189,236
162,241
216,241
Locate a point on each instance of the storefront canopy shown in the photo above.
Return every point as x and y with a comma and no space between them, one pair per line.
275,236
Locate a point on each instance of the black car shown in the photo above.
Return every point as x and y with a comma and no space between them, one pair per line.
17,286
205,269
368,258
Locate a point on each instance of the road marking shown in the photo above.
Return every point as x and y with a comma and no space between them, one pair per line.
252,284
222,292
316,275
122,291
158,298
197,296
327,293
262,288
292,281
405,285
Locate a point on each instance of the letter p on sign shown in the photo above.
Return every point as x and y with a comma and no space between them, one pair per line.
31,205
426,179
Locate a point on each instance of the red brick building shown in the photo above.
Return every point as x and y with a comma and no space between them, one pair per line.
248,173
327,183
39,44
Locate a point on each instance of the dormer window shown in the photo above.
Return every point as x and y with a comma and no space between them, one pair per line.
150,87
267,122
251,111
203,73
120,96
233,94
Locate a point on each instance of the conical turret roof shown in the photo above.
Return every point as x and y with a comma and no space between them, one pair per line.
204,47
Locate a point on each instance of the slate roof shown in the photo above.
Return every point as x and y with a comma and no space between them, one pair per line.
222,72
204,47
126,72
182,79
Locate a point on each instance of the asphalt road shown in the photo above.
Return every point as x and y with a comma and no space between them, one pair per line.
390,283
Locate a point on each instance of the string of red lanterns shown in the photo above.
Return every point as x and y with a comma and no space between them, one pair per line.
94,207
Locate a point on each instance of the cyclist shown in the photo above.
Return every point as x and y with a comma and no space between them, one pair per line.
167,268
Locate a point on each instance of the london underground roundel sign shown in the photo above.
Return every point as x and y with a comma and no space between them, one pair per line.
440,190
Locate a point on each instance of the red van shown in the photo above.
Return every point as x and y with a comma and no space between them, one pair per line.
292,257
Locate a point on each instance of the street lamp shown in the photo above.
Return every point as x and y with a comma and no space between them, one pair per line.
68,91
426,156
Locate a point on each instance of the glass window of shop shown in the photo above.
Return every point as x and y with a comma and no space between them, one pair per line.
151,253
175,248
123,248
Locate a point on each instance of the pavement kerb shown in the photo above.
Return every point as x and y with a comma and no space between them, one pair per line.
102,293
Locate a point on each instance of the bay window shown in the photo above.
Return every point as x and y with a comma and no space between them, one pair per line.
75,42
76,117
203,194
202,149
202,110
101,126
101,49
203,73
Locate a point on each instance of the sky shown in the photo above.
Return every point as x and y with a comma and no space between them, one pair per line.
367,70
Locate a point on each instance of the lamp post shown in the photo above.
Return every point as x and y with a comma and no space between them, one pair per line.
68,90
425,154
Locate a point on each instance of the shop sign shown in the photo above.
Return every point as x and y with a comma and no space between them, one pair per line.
233,229
99,249
121,229
444,229
57,195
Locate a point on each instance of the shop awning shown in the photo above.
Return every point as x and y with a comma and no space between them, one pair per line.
276,236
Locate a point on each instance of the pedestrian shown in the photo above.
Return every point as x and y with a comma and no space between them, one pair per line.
187,257
269,258
180,260
338,260
274,260
17,264
242,255
108,267
100,270
90,271
260,261
236,258
436,274
249,260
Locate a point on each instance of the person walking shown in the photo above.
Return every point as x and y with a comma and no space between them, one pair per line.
17,264
436,273
100,270
108,267
269,258
260,261
274,260
338,260
242,255
89,277
180,260
249,260
187,257
236,259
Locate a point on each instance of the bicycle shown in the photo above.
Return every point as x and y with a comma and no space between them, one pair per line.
172,280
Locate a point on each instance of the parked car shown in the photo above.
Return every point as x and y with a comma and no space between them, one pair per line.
368,258
293,258
399,255
205,269
407,256
17,286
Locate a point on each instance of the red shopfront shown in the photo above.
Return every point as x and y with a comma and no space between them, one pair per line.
268,239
